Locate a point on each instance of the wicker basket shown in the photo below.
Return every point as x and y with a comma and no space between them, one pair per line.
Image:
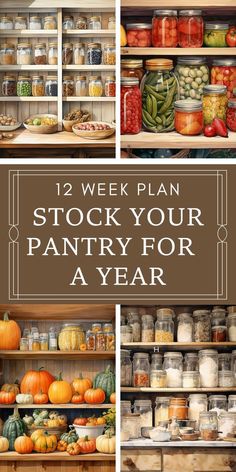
57,431
182,154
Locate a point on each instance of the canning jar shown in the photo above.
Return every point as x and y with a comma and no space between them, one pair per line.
7,54
197,405
191,362
90,341
131,106
36,342
173,365
223,72
24,54
107,328
231,325
227,425
190,29
9,86
111,23
185,328
225,361
52,341
68,22
226,378
144,409
20,22
218,317
141,369
67,54
96,327
6,23
161,409
139,35
218,403
232,403
208,368
215,34
68,86
35,23
132,68
233,364
110,341
40,54
191,379
164,29
49,23
71,337
202,326
188,117
156,361
24,344
100,341
159,92
193,73
81,23
81,88
52,54
164,327
126,334
125,407
94,23
147,329
158,378
218,334
95,86
109,54
51,88
126,368
110,86
208,426
24,86
38,89
231,114
79,54
131,424
94,54
43,342
178,408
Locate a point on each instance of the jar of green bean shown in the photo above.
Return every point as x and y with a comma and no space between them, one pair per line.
24,86
193,73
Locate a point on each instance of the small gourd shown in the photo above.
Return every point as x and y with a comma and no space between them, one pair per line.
4,444
28,420
24,398
106,443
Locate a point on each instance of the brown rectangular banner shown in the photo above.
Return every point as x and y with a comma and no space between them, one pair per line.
120,232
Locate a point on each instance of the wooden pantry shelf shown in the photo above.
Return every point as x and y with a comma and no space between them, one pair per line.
192,4
175,346
143,443
28,99
174,140
27,33
178,51
178,390
60,312
87,67
105,33
67,406
89,99
60,355
54,456
30,68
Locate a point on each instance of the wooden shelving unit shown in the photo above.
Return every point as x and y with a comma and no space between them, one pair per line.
126,51
56,456
67,406
178,390
176,346
58,355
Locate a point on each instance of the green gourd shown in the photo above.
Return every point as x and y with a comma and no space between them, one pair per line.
107,381
69,437
13,427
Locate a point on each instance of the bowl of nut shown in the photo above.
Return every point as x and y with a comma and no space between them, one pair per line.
94,130
76,116
42,124
8,123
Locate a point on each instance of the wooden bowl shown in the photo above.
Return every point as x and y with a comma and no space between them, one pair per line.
42,129
68,124
10,128
96,134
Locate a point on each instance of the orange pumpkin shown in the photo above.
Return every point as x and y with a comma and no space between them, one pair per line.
83,347
7,398
11,387
94,395
101,420
80,385
40,398
87,445
9,334
73,449
35,381
60,391
113,397
23,445
77,398
62,445
44,442
80,421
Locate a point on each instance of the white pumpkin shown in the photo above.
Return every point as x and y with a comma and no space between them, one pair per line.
106,443
4,444
24,398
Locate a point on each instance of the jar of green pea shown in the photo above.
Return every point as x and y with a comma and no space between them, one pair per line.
24,86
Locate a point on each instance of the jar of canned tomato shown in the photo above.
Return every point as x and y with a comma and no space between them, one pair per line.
188,117
164,29
131,106
231,115
214,103
132,68
139,35
190,29
223,72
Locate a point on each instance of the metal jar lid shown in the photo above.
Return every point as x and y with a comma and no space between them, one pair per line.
190,12
216,26
191,60
224,62
188,105
159,64
94,45
214,89
131,63
165,12
129,81
138,26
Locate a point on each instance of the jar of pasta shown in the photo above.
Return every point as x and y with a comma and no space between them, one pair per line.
94,23
173,365
79,54
164,326
6,23
214,103
110,341
71,337
95,86
141,369
40,54
68,86
100,341
9,86
38,89
111,23
81,89
147,329
7,54
109,54
144,408
20,22
161,410
52,54
49,23
110,86
35,23
132,68
81,23
90,341
24,54
125,368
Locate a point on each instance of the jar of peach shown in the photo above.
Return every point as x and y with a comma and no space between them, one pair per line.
188,117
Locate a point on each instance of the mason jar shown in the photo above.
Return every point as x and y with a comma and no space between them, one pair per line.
94,23
173,365
233,364
38,89
193,73
6,23
133,319
24,86
226,378
225,361
81,23
68,86
50,23
190,29
35,23
40,54
191,362
68,22
7,54
208,368
126,368
188,117
111,23
144,409
231,325
208,426
109,54
197,404
191,379
95,88
51,86
24,54
164,326
81,88
94,54
126,334
156,361
79,54
158,378
147,329
141,369
227,424
232,403
67,54
185,328
131,424
161,409
110,86
9,86
218,403
202,326
214,103
20,22
125,407
52,54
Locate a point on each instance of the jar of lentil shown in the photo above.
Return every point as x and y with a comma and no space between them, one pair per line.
49,23
135,323
131,106
24,86
223,72
214,103
7,54
126,368
197,404
132,68
94,54
144,409
185,328
100,341
164,326
67,54
188,117
208,368
158,378
218,403
51,88
81,23
225,361
156,361
173,365
40,54
95,86
90,341
231,325
111,23
208,426
191,362
35,23
68,22
110,86
190,29
24,54
139,35
6,23
178,408
164,29
218,317
193,73
81,89
68,86
79,54
20,22
38,89
202,326
161,409
110,341
109,54
231,114
9,86
141,369
94,23
52,54
148,333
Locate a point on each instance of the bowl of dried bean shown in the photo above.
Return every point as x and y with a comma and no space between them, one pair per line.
94,130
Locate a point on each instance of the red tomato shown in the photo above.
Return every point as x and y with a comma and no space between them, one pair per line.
231,37
210,131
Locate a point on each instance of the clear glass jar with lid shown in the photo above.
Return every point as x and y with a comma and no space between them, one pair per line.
193,73
164,28
202,326
68,22
233,364
191,379
71,337
218,403
164,326
9,86
90,340
110,86
81,23
231,325
131,424
20,22
7,54
6,23
190,29
225,361
232,403
227,424
147,329
215,34
208,426
173,365
218,334
50,23
67,54
52,54
109,54
81,87
214,103
188,117
38,89
126,334
218,317
24,86
94,23
185,328
68,86
208,368
35,23
95,88
110,340
134,322
51,87
131,106
24,54
158,378
132,68
144,408
226,378
40,54
94,54
191,362
141,369
156,361
197,404
161,409
126,369
79,54
100,341
125,407
111,23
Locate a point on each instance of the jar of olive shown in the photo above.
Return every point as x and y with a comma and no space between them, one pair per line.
24,86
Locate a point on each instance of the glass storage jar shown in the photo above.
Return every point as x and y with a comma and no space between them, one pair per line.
132,68
68,22
7,54
94,23
126,334
107,328
20,22
193,73
164,327
218,334
208,426
52,54
67,54
50,23
110,86
81,23
126,368
40,54
94,54
6,23
95,86
9,86
223,72
208,368
36,342
110,341
71,337
24,344
147,329
24,86
44,341
185,328
133,320
159,118
161,409
218,317
231,325
164,29
141,369
109,54
90,341
178,408
100,341
68,86
24,54
233,364
218,403
188,117
51,87
38,89
226,378
131,424
158,378
173,365
35,23
96,327
144,409
81,88
125,407
227,425
156,361
111,23
197,405
214,103
191,362
191,379
190,29
79,54
52,340
202,326
215,34
231,115
139,35
225,361
232,403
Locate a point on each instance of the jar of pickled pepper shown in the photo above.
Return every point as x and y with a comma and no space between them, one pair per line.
139,35
131,106
164,29
214,103
190,29
223,72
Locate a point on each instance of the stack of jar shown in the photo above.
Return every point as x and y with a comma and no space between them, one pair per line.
24,54
32,340
91,23
26,86
100,338
79,86
34,23
94,54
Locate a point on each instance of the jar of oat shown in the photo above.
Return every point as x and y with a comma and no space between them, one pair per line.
126,368
40,54
173,365
50,23
202,326
144,409
134,322
6,23
158,378
208,426
156,362
126,334
20,22
35,23
67,54
7,54
147,329
90,340
24,54
100,341
111,23
68,86
161,409
197,405
141,369
109,54
79,54
185,328
38,89
81,23
164,326
94,23
9,86
208,368
52,54
191,362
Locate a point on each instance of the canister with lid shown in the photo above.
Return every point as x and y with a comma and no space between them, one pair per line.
202,326
141,369
161,409
144,408
126,369
173,365
218,403
208,368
